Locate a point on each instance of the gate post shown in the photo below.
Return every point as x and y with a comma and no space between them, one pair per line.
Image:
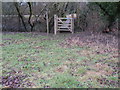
55,24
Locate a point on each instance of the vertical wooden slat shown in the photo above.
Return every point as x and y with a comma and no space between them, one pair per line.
56,23
72,26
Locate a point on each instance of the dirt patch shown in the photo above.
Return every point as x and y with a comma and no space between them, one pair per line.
61,68
20,41
38,47
2,45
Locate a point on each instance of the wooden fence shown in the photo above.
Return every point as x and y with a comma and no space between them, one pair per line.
63,24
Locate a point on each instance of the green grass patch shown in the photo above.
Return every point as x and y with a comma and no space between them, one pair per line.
39,56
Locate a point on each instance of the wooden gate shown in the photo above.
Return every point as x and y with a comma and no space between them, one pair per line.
63,24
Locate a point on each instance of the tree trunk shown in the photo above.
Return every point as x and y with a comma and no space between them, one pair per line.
19,14
30,16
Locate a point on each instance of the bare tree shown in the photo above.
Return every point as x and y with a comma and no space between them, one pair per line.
29,20
20,15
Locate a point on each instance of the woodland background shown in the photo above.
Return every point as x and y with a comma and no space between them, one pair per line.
91,16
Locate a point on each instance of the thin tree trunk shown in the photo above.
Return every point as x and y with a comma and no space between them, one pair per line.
30,16
19,14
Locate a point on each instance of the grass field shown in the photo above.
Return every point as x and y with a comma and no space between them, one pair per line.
61,61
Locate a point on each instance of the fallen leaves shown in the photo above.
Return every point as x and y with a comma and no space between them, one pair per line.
105,81
87,58
13,81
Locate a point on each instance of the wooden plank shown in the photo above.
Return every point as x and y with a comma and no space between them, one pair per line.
63,27
60,20
63,30
72,26
65,18
64,24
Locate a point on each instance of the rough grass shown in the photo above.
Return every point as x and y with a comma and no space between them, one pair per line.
38,60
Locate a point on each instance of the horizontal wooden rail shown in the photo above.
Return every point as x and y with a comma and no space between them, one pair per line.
65,18
64,24
64,30
63,27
